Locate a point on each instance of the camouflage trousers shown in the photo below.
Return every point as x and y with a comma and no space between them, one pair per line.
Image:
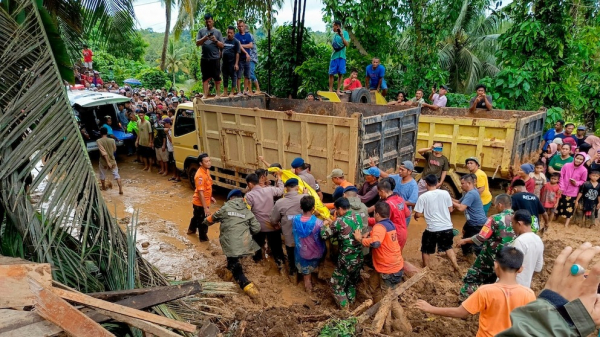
481,272
345,278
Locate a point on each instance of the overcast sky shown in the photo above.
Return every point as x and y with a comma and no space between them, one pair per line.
150,14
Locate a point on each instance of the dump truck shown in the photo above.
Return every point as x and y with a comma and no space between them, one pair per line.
502,140
236,131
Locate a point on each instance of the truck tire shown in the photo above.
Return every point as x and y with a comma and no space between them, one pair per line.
191,172
361,95
447,186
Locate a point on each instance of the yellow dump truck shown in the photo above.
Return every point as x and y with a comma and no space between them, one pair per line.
236,131
501,139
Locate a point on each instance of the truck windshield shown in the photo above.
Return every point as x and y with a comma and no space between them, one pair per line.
184,122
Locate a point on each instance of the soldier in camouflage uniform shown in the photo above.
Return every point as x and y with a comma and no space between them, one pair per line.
350,262
495,234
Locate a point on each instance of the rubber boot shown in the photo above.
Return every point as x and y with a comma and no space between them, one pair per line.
251,290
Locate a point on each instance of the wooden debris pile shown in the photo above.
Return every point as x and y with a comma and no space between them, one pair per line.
31,304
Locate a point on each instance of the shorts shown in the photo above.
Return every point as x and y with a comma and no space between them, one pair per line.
161,155
145,151
88,65
391,281
229,73
210,69
486,207
252,71
383,85
114,170
442,239
171,158
244,70
337,66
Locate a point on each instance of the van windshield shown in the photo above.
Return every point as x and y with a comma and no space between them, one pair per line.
184,122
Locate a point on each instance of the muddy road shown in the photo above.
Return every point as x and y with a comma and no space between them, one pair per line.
165,209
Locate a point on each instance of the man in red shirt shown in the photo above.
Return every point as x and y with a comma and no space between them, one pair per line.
352,82
398,209
87,57
202,198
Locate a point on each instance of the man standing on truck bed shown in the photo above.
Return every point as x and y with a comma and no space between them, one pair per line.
211,41
435,163
375,74
482,183
481,101
337,64
202,198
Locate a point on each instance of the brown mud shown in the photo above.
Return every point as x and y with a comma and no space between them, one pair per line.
285,308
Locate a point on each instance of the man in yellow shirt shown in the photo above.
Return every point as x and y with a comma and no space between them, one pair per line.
482,183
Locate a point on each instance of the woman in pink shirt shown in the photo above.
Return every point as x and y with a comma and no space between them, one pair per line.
572,175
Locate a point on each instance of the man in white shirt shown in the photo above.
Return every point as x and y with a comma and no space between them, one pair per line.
435,206
439,99
530,244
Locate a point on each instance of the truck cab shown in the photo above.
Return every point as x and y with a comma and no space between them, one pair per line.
185,140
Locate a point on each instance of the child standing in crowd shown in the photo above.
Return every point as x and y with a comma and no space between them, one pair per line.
309,249
589,191
539,177
549,195
494,301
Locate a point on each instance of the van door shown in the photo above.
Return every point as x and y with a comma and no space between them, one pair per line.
185,139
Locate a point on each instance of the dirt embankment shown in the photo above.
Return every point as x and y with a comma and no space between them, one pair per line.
286,309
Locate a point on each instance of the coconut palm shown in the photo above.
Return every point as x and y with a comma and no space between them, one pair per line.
468,52
168,4
176,60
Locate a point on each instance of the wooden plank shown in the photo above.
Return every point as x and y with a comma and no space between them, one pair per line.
38,329
96,303
14,277
138,323
12,319
58,311
155,295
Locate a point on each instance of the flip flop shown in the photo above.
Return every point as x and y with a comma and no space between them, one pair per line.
172,179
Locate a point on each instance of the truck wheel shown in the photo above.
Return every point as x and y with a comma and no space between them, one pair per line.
446,186
191,173
361,95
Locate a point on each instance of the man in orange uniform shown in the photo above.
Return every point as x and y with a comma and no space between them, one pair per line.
202,198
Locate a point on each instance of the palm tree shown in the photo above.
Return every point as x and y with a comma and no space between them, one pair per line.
176,60
468,52
168,6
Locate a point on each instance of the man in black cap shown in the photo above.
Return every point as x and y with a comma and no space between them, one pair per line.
481,101
211,41
283,212
439,99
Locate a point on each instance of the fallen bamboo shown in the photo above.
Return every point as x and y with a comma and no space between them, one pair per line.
56,310
383,313
366,304
96,303
397,292
147,327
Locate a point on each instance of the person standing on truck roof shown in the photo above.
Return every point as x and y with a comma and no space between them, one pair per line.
202,198
261,202
471,204
231,56
282,214
245,39
299,168
211,41
439,99
337,63
418,99
352,82
482,183
481,101
368,192
406,186
551,134
375,74
435,163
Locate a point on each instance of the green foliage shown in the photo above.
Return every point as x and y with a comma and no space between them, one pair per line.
458,100
118,69
340,328
311,72
553,115
154,78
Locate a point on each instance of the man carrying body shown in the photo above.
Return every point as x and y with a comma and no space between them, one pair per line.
368,192
107,148
339,180
202,198
360,209
337,64
299,168
496,233
352,82
439,100
211,41
481,101
281,216
435,206
231,55
435,163
260,199
406,186
522,199
245,39
398,209
471,204
529,244
375,74
481,184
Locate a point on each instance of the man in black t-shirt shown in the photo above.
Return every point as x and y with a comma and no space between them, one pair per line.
231,58
522,199
481,101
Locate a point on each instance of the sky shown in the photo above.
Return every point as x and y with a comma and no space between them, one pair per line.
150,14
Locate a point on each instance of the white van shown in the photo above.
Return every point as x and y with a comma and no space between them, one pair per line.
91,107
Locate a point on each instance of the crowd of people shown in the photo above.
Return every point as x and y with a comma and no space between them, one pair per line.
368,225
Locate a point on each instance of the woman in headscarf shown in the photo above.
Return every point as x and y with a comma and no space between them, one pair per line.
572,175
309,249
523,174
